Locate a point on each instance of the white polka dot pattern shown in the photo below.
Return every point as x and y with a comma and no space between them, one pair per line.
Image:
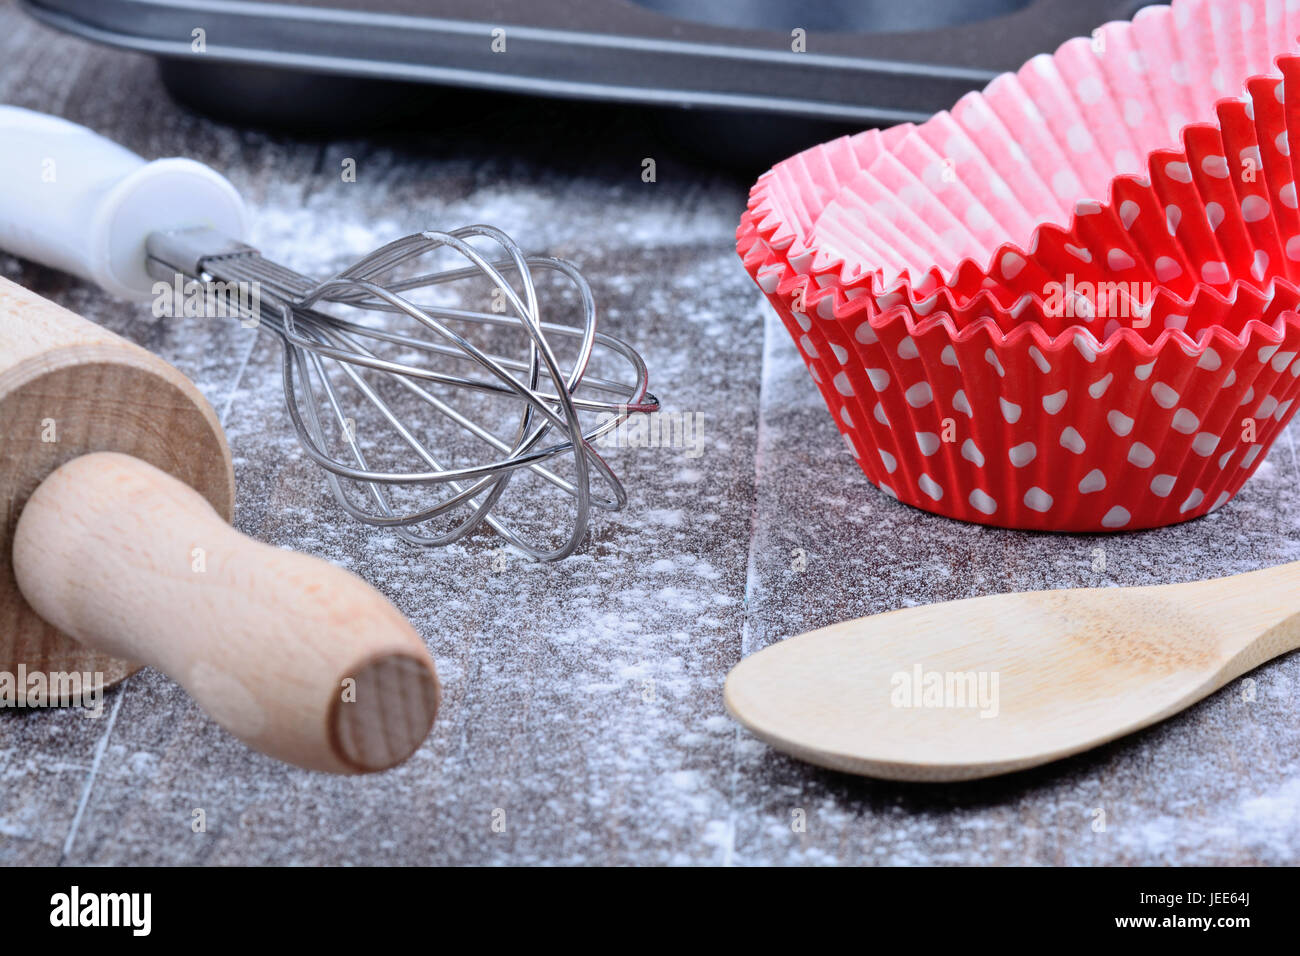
1104,440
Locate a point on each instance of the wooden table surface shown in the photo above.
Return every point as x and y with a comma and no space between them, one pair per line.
583,701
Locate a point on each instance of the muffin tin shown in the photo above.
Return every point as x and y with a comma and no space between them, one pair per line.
867,61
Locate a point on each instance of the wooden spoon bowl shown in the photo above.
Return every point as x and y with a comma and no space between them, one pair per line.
988,685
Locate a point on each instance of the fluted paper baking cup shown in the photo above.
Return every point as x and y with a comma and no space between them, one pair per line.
965,195
992,416
914,268
1220,211
1066,434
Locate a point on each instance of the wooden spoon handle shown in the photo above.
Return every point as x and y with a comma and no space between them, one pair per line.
300,659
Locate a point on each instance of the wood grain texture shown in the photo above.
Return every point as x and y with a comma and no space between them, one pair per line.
299,659
963,690
68,387
584,700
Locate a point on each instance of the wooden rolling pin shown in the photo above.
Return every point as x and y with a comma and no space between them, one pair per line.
117,488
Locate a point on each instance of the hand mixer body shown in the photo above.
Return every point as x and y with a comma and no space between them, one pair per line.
408,377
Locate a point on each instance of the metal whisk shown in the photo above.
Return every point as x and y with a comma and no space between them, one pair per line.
454,405
325,352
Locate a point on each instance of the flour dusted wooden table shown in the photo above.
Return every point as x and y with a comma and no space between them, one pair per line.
583,701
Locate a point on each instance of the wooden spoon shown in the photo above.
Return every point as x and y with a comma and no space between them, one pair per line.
116,486
974,688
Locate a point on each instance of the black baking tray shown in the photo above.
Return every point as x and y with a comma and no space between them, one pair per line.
865,63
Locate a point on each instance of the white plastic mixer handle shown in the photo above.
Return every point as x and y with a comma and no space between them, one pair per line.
73,200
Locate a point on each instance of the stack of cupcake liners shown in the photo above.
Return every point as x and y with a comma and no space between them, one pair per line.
999,346
933,204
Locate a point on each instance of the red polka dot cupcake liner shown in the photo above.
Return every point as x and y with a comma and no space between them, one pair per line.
941,281
1066,433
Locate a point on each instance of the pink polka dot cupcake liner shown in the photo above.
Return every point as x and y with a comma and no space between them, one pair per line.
944,282
1050,168
1221,210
